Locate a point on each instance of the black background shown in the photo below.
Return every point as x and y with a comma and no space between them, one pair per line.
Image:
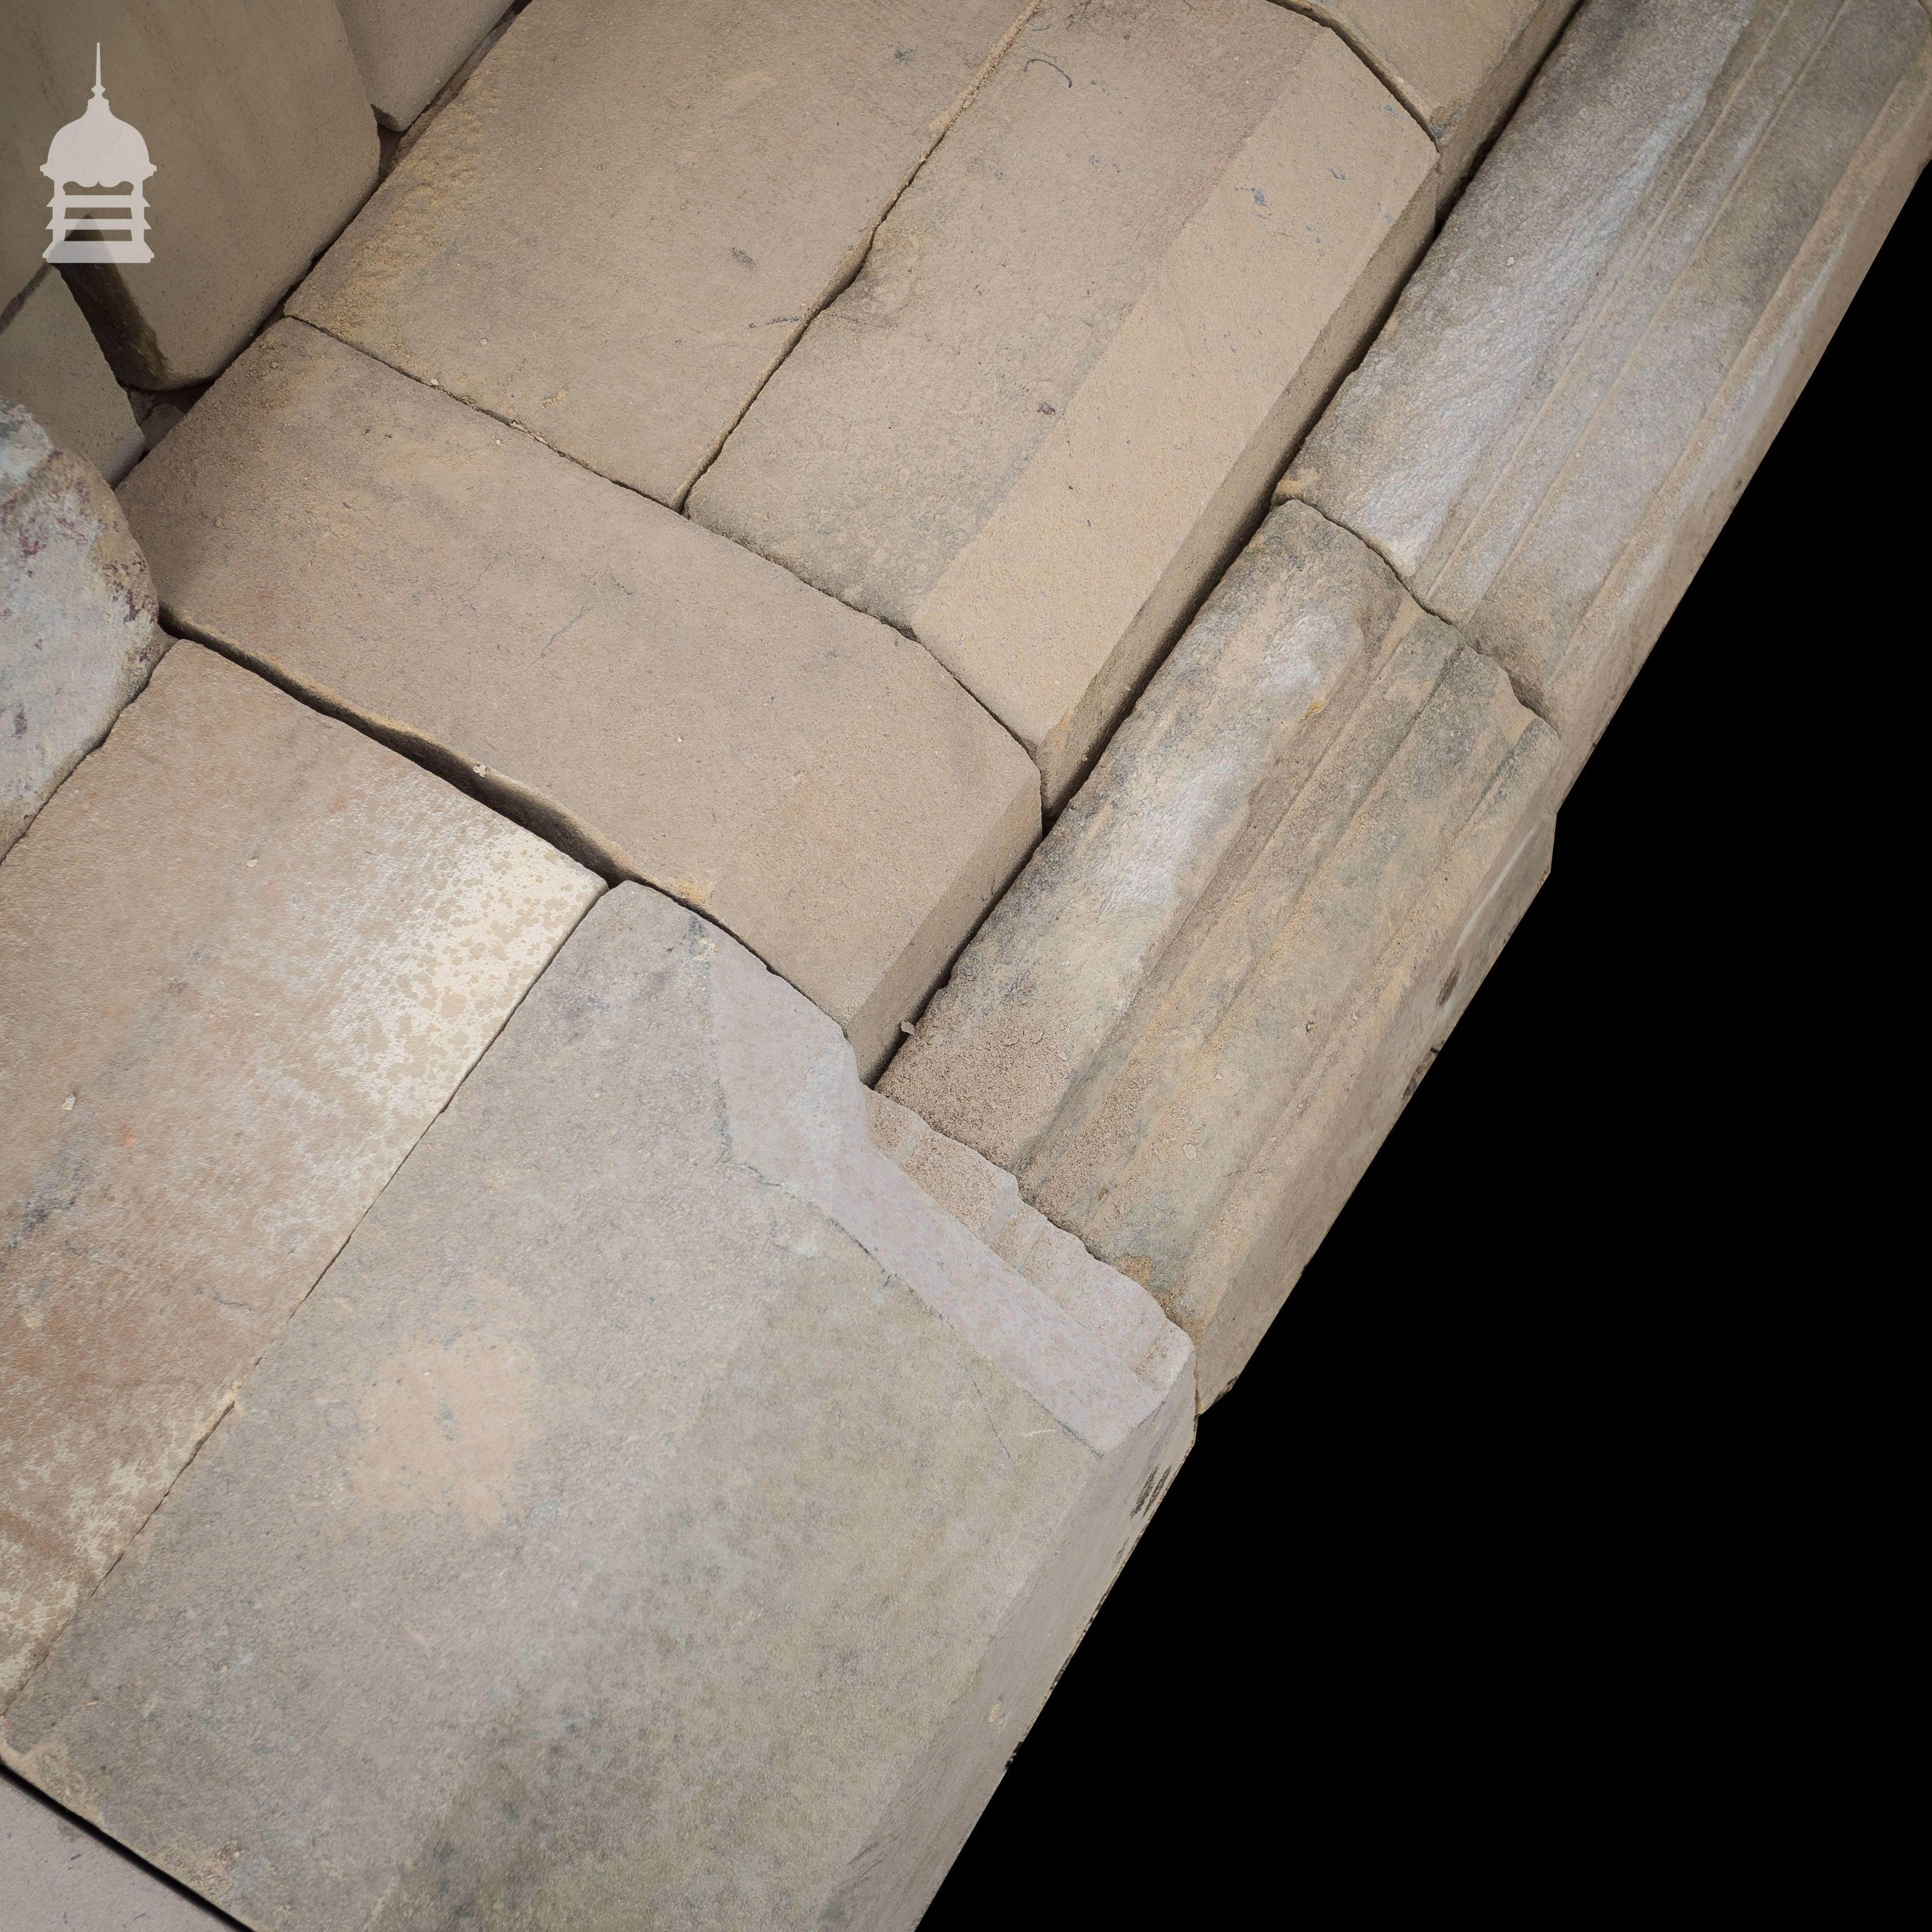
1491,1563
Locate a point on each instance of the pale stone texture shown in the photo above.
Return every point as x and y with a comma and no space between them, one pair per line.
55,1877
1457,65
1084,343
78,636
665,705
253,115
661,1514
1187,1026
618,228
407,48
51,365
245,955
1580,380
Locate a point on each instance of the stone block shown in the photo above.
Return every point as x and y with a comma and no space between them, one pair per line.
262,143
661,1513
1579,381
1456,65
619,228
665,705
78,636
52,366
1187,1026
407,48
1037,425
245,956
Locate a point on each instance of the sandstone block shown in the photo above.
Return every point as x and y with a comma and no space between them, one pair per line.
1187,1026
245,956
660,702
78,636
407,48
1579,381
699,177
662,1513
1086,337
263,146
52,366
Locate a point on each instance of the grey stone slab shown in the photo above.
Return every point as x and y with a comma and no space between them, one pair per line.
663,1513
1187,1026
1087,337
619,227
262,144
78,634
245,956
407,48
52,366
1580,379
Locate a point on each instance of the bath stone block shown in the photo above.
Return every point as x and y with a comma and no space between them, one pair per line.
246,955
407,48
1187,1026
254,119
1580,379
1035,428
663,1513
662,704
57,1878
1456,65
51,365
78,636
702,175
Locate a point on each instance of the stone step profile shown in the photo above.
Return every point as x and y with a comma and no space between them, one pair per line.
662,1507
51,366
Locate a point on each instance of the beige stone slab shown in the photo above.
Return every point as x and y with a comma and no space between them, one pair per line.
246,955
407,48
262,143
618,228
1087,336
1580,379
1188,1026
667,706
662,1513
51,365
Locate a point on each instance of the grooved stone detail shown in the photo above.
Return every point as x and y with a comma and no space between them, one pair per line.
51,364
1187,1026
1577,383
245,955
407,48
663,1513
663,704
1084,343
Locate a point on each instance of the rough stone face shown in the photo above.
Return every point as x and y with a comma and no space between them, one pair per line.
263,144
662,704
1456,64
1085,341
1188,1026
407,48
661,1513
1579,381
245,955
702,174
78,636
51,365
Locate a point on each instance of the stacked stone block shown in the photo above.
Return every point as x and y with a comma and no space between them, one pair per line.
51,366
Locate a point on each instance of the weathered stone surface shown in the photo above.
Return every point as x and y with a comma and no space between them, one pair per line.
701,176
1080,351
78,636
245,955
55,1877
662,1513
263,146
1456,64
407,48
52,366
1187,1026
1579,381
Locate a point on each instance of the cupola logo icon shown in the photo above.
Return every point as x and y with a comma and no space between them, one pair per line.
98,152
